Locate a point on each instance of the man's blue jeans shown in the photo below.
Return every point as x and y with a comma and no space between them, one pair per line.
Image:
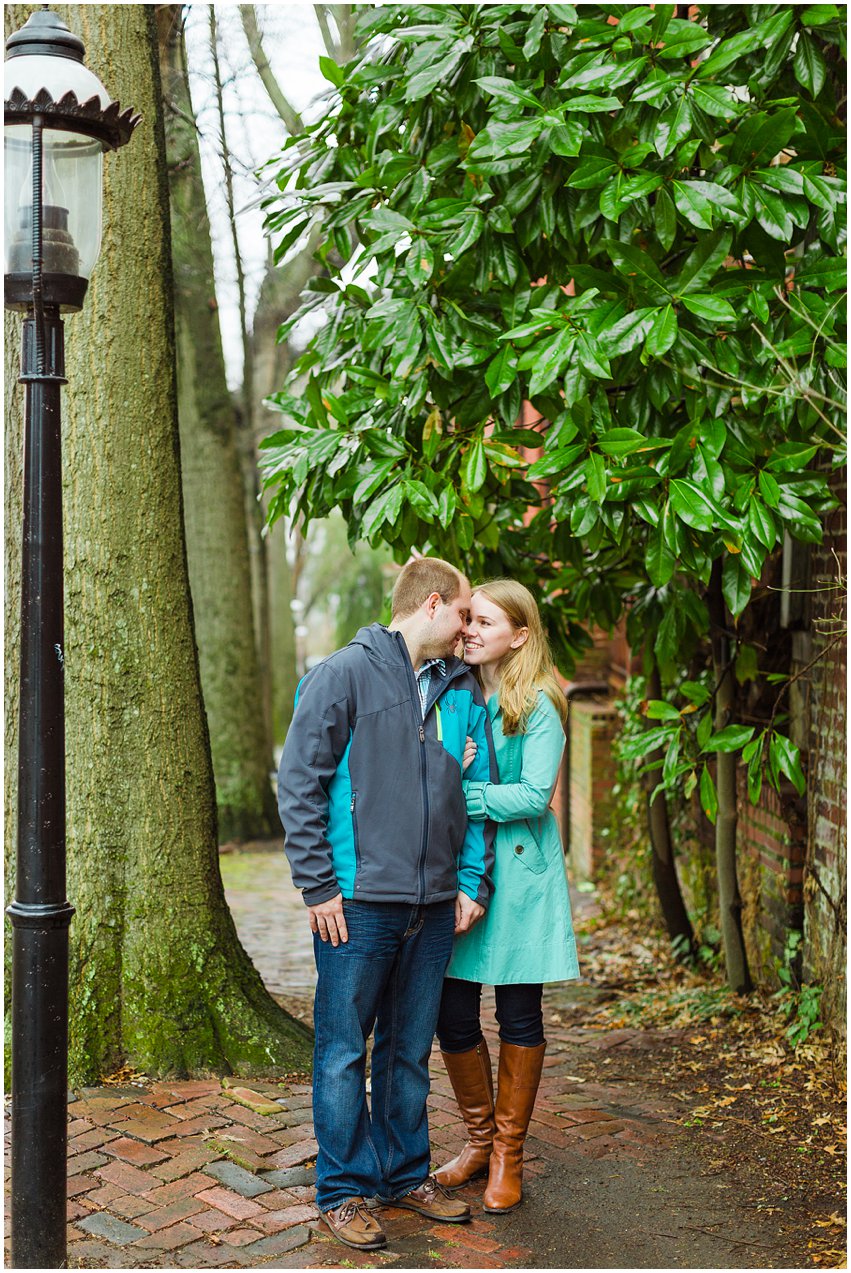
389,975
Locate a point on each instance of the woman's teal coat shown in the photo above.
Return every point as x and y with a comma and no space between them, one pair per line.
527,932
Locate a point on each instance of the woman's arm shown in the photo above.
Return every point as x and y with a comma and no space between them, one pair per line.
542,747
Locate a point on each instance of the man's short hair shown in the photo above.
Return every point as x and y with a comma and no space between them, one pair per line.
419,579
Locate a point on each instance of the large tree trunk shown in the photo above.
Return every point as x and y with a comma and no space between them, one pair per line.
216,534
665,877
158,977
729,899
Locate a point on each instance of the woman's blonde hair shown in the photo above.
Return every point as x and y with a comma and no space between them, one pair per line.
529,668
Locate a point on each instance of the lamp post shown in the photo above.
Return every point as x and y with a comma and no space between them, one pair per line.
58,122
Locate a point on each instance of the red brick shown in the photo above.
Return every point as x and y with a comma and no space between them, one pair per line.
104,1196
209,1122
185,1187
149,1130
85,1162
128,1179
77,1125
130,1207
212,1221
81,1184
183,1164
240,1237
469,1238
295,1155
231,1203
169,1239
134,1151
276,1221
92,1139
191,1109
161,1217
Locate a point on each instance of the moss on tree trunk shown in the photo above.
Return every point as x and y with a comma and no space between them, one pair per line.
158,976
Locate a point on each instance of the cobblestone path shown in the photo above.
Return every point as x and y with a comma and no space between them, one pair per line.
202,1175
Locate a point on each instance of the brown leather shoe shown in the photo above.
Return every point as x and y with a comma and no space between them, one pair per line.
352,1224
517,1087
472,1082
431,1199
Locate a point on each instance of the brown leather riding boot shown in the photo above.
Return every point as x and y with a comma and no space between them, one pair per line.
517,1087
472,1082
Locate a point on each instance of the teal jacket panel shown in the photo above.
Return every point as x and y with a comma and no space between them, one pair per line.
527,933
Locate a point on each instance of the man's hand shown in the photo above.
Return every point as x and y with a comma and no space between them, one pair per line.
467,913
327,919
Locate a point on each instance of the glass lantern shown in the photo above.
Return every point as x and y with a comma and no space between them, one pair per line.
57,115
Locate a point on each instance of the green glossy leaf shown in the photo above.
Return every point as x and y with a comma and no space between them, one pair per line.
691,505
682,39
329,68
419,263
662,333
712,308
592,172
505,90
621,442
758,37
715,100
595,476
664,219
786,758
673,126
731,738
502,370
627,333
761,522
658,709
809,65
474,469
708,795
659,559
736,584
590,103
703,262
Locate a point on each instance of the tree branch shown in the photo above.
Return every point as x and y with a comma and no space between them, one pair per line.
327,38
292,120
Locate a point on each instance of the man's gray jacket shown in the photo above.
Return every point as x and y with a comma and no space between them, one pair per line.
369,787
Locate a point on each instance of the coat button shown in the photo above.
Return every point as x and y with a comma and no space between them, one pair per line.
519,848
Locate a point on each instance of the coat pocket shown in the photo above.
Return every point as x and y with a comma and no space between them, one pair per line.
527,847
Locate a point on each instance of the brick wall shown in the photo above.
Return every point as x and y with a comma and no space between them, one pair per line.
825,876
772,839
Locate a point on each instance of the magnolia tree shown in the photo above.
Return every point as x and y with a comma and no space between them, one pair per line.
625,228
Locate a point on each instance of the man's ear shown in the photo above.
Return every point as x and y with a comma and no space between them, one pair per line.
521,636
432,604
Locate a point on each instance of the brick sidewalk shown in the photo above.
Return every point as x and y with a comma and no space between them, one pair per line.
201,1175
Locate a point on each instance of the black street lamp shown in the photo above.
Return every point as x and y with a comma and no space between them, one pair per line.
58,123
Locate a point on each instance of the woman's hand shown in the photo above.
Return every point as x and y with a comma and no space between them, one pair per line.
470,750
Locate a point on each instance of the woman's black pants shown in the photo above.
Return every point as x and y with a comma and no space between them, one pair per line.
518,1011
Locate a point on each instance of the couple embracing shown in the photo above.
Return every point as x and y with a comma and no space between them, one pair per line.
414,790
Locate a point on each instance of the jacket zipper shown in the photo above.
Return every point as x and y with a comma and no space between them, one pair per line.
415,707
355,835
415,704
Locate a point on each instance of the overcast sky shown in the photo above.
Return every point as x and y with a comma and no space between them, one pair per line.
255,133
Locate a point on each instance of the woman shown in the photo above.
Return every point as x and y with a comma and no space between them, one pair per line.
526,937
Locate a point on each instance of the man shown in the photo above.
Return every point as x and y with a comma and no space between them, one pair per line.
370,796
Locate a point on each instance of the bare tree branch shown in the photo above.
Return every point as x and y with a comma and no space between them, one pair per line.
292,120
327,38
